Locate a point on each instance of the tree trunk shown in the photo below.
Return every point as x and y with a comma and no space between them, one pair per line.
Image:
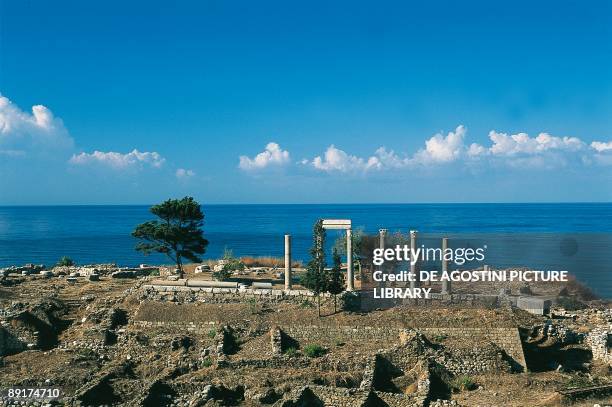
335,297
319,304
179,265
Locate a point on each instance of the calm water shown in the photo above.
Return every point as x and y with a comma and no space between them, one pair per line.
576,237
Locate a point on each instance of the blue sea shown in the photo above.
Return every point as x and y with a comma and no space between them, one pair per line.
576,237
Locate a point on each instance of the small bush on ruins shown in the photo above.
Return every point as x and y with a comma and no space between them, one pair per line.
65,262
85,354
254,308
306,304
221,275
212,333
207,362
314,351
463,383
350,301
439,337
577,381
231,264
291,351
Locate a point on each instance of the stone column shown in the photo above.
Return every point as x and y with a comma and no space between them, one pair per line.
382,233
381,244
349,260
413,265
446,285
287,262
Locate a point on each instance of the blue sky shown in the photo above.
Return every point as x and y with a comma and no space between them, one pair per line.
471,101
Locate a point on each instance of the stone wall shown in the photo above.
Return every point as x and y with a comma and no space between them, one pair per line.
598,339
283,362
476,357
191,327
276,340
341,397
507,339
398,400
9,343
224,295
477,360
435,300
326,335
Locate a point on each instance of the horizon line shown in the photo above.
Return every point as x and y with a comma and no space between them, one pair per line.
311,203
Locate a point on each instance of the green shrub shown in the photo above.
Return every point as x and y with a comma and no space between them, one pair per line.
463,383
65,262
86,353
291,351
439,337
222,274
254,308
212,333
207,362
306,304
581,381
231,264
350,301
314,351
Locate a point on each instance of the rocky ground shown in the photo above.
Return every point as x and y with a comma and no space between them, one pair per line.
110,342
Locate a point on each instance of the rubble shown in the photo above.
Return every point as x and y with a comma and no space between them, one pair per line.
117,341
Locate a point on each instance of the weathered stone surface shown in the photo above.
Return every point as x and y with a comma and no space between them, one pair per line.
599,339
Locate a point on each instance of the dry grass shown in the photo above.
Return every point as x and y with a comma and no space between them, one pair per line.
266,261
249,261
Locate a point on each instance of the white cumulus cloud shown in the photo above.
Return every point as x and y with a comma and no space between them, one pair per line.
440,149
600,146
389,159
335,159
475,150
118,161
518,151
35,130
522,143
602,152
183,173
273,155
